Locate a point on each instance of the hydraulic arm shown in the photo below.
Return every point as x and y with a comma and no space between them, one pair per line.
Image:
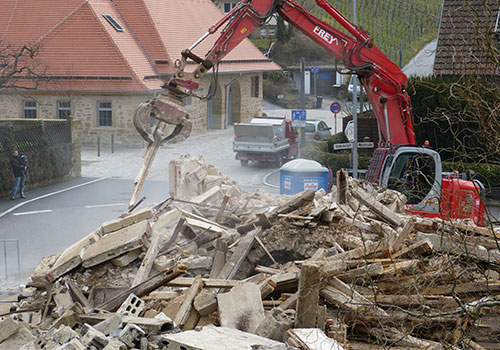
384,82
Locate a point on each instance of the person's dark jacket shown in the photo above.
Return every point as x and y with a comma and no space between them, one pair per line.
17,164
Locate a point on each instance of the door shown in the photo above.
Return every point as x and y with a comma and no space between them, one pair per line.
416,173
210,111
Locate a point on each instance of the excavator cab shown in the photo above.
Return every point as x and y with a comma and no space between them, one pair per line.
416,172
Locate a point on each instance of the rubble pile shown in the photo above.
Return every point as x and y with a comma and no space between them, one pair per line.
214,267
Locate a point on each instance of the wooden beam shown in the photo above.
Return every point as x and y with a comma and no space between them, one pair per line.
308,296
145,287
376,207
239,255
183,314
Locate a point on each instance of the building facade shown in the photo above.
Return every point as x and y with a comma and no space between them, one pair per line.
101,59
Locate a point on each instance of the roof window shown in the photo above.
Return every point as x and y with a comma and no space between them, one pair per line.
113,22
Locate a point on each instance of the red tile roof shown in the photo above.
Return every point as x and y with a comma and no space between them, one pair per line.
78,45
465,32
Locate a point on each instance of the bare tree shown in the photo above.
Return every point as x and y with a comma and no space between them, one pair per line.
19,67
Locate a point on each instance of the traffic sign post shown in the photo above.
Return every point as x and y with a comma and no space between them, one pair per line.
299,118
335,108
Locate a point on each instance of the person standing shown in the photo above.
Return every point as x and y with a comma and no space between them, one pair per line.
19,166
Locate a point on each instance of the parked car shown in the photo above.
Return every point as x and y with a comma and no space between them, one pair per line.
316,130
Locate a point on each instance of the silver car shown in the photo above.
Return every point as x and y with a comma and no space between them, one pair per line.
316,130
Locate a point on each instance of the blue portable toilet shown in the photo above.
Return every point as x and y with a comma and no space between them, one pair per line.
303,174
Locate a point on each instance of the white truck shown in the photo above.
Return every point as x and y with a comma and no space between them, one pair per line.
265,139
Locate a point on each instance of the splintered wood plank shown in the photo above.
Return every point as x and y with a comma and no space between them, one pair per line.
308,296
377,207
184,311
239,255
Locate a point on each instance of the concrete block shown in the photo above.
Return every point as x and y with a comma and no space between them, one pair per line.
74,344
143,214
115,244
115,344
276,323
7,328
92,337
131,334
110,324
246,315
126,258
111,226
220,338
28,292
21,339
64,334
132,306
72,256
205,303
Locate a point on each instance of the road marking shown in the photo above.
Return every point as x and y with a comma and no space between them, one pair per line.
33,212
105,205
266,183
49,195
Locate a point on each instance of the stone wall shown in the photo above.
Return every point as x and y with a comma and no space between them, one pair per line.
52,146
84,108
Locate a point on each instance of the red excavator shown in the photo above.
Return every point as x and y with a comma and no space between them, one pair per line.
397,163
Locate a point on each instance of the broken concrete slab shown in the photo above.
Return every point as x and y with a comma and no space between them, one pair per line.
72,256
115,244
127,258
74,344
110,324
312,339
7,328
21,338
234,313
220,338
276,323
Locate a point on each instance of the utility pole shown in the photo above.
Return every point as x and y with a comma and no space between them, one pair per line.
355,113
302,101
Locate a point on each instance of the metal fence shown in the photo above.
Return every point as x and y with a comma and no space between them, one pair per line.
10,256
47,143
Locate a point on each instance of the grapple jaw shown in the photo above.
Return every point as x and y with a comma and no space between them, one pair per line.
166,108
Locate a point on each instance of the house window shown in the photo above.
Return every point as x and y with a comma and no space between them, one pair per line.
113,22
272,31
228,6
63,109
255,87
263,32
29,109
104,113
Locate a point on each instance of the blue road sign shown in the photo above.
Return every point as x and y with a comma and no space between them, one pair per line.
335,107
314,69
298,114
299,118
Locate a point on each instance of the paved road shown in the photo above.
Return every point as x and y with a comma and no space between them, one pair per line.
53,217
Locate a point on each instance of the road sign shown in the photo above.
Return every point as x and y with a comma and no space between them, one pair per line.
299,118
335,107
348,145
365,145
314,69
349,131
339,146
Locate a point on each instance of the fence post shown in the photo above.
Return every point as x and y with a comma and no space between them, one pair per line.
98,146
112,143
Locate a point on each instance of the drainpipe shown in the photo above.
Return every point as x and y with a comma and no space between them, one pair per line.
226,93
